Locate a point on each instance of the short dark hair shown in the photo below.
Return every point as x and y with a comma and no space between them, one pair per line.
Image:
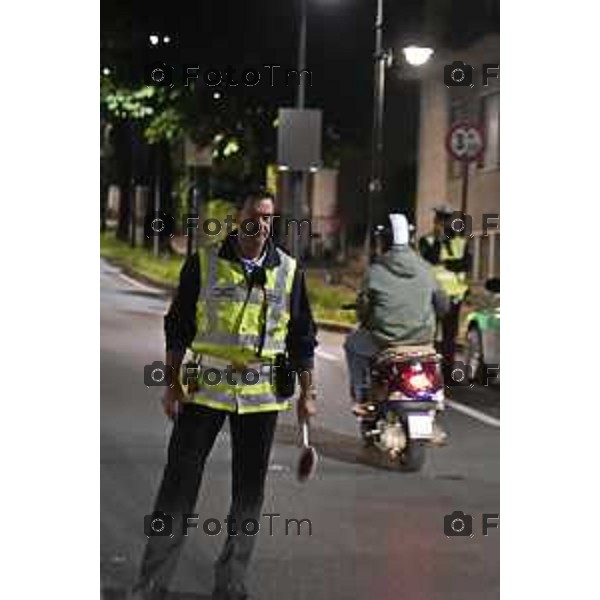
255,196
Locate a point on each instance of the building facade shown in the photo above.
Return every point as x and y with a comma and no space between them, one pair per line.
440,177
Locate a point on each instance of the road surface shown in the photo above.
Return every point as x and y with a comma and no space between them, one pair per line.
375,533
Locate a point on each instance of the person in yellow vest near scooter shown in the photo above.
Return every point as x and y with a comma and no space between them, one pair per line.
448,253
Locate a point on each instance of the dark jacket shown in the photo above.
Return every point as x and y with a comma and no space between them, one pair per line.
400,299
180,321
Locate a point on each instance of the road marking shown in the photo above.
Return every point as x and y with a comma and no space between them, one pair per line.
327,355
278,468
474,413
138,284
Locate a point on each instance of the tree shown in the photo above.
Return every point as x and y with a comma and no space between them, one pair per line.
147,116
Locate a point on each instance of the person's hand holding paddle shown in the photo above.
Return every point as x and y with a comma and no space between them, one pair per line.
306,408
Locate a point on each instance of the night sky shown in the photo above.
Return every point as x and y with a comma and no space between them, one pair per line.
340,48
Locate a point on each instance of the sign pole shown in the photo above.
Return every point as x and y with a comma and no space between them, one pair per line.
193,210
465,143
299,177
465,186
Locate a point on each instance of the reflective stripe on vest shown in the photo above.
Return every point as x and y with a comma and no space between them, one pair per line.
228,288
243,397
229,325
454,284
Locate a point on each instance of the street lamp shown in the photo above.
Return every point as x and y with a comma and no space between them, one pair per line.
154,39
417,56
414,55
298,177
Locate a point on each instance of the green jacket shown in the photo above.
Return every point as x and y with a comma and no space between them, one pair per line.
399,299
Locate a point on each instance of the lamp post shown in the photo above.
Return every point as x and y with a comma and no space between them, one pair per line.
299,177
375,182
415,56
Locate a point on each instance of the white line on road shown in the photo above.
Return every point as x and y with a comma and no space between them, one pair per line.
138,284
474,413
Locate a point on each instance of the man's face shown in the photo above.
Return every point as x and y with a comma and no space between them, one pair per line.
438,224
257,215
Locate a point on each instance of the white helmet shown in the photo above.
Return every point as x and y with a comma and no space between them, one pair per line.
400,229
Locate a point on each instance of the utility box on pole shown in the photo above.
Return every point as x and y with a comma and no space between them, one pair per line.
299,152
299,139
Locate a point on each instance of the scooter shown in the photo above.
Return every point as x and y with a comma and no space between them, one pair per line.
405,393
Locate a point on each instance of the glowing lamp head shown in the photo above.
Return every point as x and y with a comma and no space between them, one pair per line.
416,55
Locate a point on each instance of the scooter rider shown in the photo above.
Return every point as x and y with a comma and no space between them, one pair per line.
396,306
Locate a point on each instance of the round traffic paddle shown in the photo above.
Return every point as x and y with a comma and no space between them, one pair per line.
307,465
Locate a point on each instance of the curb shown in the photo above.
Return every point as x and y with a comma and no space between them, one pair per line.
166,290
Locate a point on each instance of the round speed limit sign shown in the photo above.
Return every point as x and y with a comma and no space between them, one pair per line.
465,142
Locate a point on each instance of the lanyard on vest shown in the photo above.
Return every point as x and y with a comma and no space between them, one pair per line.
256,277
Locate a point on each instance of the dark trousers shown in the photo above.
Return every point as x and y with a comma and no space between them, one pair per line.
192,439
449,325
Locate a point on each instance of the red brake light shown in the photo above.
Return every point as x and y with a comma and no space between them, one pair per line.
415,378
419,377
418,381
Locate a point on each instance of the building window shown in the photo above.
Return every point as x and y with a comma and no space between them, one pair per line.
490,121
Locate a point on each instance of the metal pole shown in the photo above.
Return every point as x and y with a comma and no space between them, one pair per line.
155,237
132,203
465,187
194,211
376,183
300,100
299,178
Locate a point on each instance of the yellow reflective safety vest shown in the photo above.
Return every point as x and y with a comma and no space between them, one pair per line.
455,285
229,325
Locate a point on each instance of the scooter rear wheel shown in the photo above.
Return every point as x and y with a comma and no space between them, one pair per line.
413,457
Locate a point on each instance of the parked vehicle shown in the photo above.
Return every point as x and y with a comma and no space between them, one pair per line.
483,338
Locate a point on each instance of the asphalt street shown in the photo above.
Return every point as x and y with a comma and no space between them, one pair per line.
375,532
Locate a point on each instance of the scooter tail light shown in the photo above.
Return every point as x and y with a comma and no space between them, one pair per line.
418,378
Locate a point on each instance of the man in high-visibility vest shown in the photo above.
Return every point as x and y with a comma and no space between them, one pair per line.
241,304
448,253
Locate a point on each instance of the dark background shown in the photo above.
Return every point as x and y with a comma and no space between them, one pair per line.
340,44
